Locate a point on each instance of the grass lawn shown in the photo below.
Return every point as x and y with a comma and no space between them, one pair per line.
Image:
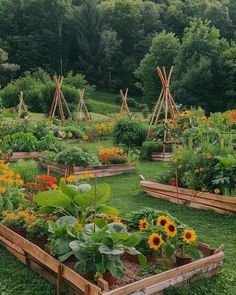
126,195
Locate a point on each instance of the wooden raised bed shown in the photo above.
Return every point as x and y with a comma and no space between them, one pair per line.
100,170
160,156
22,156
191,198
71,140
59,274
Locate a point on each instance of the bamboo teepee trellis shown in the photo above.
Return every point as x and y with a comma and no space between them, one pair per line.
58,100
124,104
21,106
83,113
165,101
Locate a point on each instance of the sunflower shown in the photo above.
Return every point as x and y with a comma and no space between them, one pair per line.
185,127
155,241
170,229
217,191
162,220
189,236
143,224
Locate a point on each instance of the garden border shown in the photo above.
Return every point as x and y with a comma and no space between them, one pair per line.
155,156
56,272
191,198
99,170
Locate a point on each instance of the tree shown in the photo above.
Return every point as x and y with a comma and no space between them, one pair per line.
89,26
199,77
109,46
164,48
229,69
5,67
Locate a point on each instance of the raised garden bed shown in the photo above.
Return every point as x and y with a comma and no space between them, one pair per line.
22,156
60,274
100,170
154,156
71,140
191,198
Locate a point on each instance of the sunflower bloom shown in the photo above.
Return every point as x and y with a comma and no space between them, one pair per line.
155,241
170,229
162,220
143,224
216,191
189,236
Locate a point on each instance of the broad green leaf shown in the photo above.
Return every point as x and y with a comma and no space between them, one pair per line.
53,198
106,250
83,200
69,191
142,260
133,241
64,257
116,227
101,208
66,220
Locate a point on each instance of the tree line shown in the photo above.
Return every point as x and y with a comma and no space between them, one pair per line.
118,43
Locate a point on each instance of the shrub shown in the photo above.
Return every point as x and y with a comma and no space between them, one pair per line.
75,156
153,147
27,169
129,133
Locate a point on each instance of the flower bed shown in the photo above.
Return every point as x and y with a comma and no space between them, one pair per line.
161,156
99,170
191,198
75,161
54,271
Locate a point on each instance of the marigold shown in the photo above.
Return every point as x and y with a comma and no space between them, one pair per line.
155,241
2,189
143,224
189,236
170,229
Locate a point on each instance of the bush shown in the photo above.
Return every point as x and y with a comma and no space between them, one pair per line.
27,169
129,133
75,156
39,88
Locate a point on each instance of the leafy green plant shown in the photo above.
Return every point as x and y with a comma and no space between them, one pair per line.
19,142
99,250
76,202
27,169
75,156
129,133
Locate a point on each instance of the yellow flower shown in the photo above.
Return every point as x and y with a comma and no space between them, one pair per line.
116,219
189,236
143,224
54,186
170,229
155,241
19,182
201,169
162,220
17,176
217,191
208,156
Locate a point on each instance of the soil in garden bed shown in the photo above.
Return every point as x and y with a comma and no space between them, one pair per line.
131,274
